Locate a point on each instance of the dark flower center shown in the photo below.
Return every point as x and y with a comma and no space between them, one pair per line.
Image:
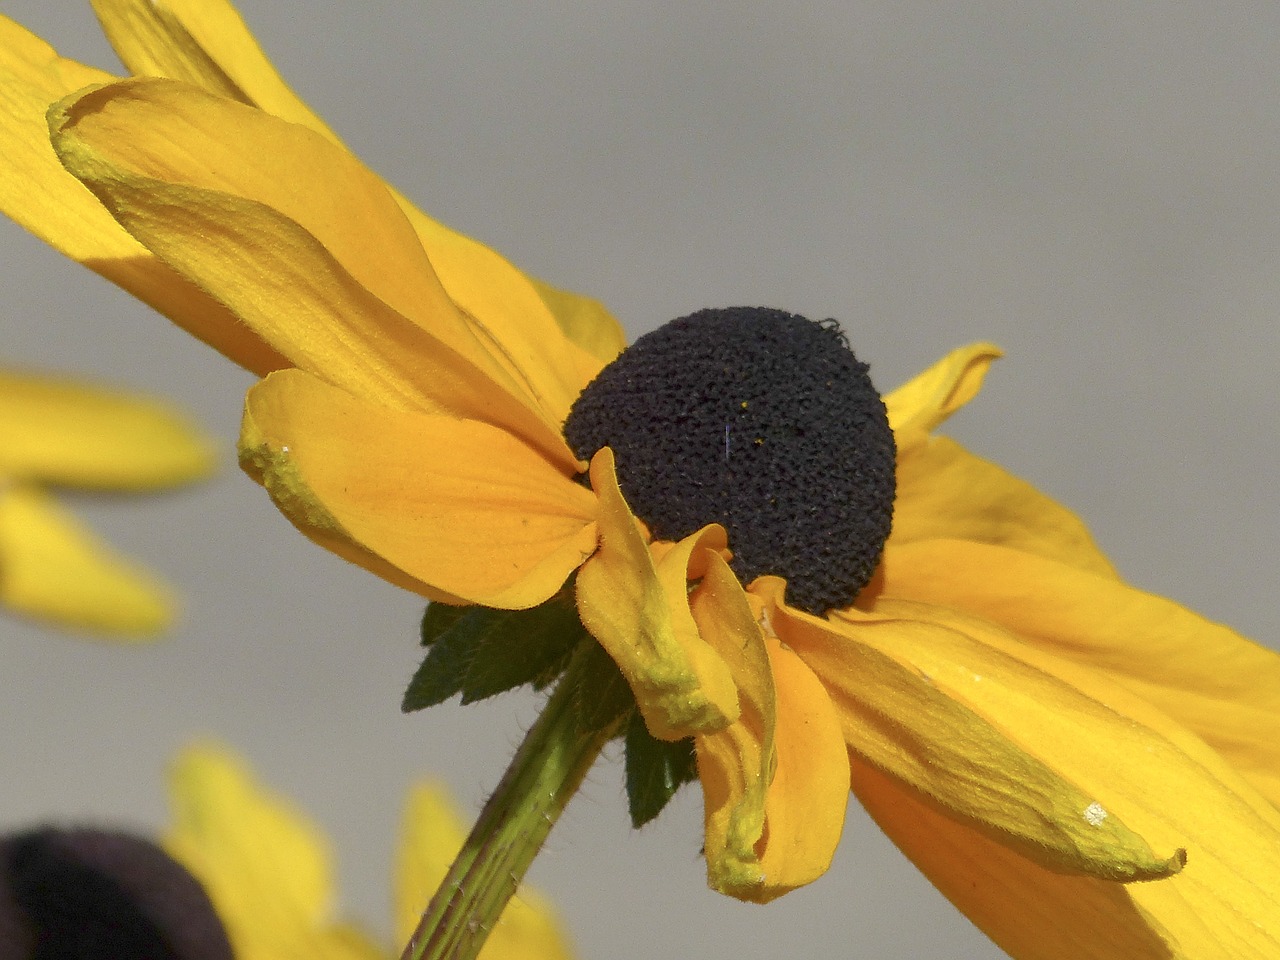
85,894
759,420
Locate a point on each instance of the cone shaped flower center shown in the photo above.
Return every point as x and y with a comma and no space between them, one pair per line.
759,420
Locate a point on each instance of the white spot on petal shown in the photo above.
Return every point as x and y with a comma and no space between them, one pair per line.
1095,813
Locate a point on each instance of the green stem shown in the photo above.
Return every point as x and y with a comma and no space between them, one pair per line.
544,774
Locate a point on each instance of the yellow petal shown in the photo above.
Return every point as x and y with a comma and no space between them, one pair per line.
66,432
681,685
1020,752
1222,904
1220,685
265,866
39,194
946,492
52,569
925,401
505,309
432,834
205,42
297,238
585,321
775,782
456,504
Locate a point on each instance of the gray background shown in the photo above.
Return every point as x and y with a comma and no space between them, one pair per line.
1091,185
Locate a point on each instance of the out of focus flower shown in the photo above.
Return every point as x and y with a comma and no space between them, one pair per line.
62,433
268,869
245,874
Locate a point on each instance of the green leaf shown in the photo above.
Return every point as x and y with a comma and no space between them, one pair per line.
479,652
438,619
656,769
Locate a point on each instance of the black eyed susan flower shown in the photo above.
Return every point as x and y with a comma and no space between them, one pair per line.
1036,734
242,873
56,432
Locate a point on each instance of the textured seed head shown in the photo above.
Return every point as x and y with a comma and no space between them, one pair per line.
762,421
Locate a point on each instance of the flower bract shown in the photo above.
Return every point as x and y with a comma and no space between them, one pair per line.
1084,768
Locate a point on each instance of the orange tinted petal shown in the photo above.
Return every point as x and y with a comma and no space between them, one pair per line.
1004,745
1217,683
681,685
1218,906
460,506
306,246
775,782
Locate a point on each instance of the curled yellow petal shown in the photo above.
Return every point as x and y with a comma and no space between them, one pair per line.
52,568
775,782
66,432
206,43
1013,749
929,398
681,685
1220,685
298,239
945,492
432,834
1223,904
461,506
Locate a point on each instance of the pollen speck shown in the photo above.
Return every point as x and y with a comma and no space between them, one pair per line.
1095,813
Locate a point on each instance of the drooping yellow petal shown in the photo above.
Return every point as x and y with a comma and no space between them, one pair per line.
264,865
458,505
946,492
528,929
297,238
40,195
925,401
52,568
681,685
66,432
206,43
1014,749
1223,687
774,782
1218,906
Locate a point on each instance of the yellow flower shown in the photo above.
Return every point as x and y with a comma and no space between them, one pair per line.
58,432
268,869
1028,728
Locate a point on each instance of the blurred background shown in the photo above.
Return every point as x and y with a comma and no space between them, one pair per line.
1091,185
